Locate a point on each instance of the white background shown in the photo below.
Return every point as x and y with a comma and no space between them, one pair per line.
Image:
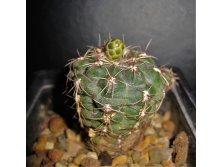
13,83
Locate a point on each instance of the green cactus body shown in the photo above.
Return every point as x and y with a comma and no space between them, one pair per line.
116,89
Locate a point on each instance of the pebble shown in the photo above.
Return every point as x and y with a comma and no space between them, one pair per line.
46,131
134,165
180,145
144,143
105,158
78,138
70,159
157,121
121,159
79,158
57,125
39,146
49,145
61,142
92,155
66,157
158,145
58,164
145,158
166,116
154,165
164,141
183,165
129,160
72,165
55,155
70,135
44,123
169,127
159,154
149,131
84,150
61,138
167,163
90,162
162,133
73,148
130,152
47,162
142,162
136,156
122,165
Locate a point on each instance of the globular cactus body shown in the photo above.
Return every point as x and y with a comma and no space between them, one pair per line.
116,89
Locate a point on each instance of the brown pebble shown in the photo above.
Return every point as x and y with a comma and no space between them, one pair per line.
55,155
136,156
122,165
61,142
142,162
162,142
129,153
78,138
157,155
145,142
169,127
57,125
49,145
167,163
70,135
121,159
49,164
92,155
157,121
73,148
134,165
72,165
79,158
154,165
46,162
60,164
90,162
158,145
105,158
52,138
166,116
145,157
39,146
162,133
46,131
149,131
183,165
180,146
129,160
66,157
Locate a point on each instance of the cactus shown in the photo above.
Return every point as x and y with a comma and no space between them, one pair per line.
116,90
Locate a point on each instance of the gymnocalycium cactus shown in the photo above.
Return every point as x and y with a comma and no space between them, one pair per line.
116,89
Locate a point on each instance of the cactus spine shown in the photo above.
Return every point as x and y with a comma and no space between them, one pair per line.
116,89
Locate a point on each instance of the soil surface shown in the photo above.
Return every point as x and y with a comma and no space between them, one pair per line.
59,146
